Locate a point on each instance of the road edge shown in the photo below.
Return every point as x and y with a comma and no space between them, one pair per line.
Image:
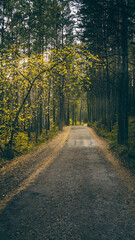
124,174
61,137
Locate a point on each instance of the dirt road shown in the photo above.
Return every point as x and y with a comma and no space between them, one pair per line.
79,196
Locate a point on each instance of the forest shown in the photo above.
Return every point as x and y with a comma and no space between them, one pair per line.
66,62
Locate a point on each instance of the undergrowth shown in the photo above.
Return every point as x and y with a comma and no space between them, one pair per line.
126,153
22,144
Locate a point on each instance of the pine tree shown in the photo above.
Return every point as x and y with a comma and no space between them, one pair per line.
107,29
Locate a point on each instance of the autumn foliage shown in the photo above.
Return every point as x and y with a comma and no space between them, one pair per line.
36,91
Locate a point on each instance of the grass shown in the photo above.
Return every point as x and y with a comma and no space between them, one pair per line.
126,153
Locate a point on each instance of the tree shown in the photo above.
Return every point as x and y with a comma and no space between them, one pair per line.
106,27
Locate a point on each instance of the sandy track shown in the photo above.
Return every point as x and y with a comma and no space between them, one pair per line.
17,175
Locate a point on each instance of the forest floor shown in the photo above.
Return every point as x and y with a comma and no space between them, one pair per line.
70,188
126,154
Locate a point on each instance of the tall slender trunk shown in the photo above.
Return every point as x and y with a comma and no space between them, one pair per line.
123,82
37,118
107,69
40,118
88,105
73,115
3,25
104,121
53,110
48,118
1,53
62,103
80,111
68,112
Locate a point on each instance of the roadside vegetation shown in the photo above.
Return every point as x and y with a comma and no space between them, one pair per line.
22,144
126,153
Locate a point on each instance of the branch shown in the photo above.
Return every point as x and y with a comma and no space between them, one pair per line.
1,150
32,83
25,77
16,118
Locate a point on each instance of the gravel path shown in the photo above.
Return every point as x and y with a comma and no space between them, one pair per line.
18,174
79,196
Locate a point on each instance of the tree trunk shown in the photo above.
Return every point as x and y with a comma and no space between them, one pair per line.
88,106
68,113
53,110
80,111
73,115
123,83
49,105
40,119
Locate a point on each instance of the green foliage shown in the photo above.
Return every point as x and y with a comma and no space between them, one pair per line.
70,122
78,123
21,143
45,137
